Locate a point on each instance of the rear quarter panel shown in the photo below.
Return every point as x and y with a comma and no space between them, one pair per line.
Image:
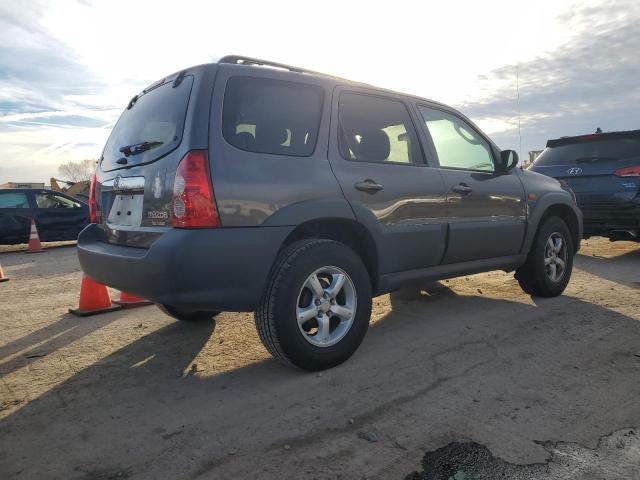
254,189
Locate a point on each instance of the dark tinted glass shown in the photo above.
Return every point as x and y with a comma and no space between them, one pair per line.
373,129
157,116
588,152
13,200
271,116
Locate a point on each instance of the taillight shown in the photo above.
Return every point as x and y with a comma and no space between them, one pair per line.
93,204
193,201
628,172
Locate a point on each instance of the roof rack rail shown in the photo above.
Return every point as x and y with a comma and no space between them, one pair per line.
240,60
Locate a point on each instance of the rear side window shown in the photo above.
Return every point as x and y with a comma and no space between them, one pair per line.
590,152
14,200
374,129
271,116
156,117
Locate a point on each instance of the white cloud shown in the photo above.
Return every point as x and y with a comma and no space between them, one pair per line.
88,58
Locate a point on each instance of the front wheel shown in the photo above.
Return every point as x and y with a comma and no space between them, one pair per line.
550,262
316,309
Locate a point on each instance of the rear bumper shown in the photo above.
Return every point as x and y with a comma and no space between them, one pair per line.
602,219
209,269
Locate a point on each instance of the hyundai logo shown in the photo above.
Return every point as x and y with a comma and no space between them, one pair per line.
574,171
116,182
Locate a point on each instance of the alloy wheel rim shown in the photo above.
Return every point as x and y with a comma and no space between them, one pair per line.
326,306
555,257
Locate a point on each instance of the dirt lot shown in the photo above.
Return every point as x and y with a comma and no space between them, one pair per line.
469,378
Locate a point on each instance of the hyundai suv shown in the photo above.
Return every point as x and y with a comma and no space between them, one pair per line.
603,170
248,185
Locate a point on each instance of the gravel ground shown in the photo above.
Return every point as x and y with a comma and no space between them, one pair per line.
467,378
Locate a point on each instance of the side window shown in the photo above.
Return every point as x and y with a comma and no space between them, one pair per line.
457,144
50,200
14,200
271,116
373,129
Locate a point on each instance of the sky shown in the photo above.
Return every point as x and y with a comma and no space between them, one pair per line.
68,67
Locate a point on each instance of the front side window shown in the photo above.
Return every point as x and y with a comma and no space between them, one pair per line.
271,116
373,129
456,143
50,200
14,200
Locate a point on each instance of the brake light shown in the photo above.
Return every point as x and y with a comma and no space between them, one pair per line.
628,172
193,201
93,204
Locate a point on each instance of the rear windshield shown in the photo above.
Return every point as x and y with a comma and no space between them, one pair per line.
156,117
590,152
271,116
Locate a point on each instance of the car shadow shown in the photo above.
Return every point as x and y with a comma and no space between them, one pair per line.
68,329
440,366
623,269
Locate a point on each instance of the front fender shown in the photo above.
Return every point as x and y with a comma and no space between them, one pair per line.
538,208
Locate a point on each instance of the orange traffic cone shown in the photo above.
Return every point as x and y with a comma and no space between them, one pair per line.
2,277
129,301
94,299
34,239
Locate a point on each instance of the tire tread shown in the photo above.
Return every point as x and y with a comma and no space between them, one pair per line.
264,315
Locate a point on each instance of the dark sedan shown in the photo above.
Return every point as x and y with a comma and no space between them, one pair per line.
603,170
58,216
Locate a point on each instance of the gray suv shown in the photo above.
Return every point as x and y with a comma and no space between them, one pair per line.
247,185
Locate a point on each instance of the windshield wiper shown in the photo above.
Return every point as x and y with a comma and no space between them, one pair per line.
137,148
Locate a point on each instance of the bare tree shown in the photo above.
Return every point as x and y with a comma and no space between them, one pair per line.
77,171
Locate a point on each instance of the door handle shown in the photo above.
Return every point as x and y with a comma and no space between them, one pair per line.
462,189
369,186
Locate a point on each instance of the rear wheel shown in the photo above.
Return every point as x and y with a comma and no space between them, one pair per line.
316,309
550,262
188,315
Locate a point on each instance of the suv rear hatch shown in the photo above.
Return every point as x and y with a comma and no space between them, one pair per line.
135,178
598,168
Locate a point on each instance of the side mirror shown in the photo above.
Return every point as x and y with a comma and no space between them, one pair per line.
508,160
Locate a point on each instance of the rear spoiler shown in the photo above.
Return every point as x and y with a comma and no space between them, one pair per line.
594,137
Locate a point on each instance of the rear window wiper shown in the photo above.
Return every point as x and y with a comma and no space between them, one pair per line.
137,148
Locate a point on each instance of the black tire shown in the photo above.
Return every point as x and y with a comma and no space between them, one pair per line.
276,320
187,315
532,276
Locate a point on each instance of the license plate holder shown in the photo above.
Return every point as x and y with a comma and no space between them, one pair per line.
126,211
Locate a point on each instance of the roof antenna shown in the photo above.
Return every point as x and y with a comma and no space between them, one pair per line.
518,103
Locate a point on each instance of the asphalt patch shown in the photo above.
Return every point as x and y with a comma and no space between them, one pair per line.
616,456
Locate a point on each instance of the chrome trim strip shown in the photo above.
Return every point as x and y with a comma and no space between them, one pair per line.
125,184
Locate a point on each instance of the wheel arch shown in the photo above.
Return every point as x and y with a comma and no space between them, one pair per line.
343,230
564,211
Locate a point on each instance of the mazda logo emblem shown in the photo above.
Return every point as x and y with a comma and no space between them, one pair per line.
116,182
574,171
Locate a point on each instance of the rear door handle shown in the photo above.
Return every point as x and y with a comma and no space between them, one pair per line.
462,189
369,186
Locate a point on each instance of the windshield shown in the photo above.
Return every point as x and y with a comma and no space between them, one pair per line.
150,127
588,152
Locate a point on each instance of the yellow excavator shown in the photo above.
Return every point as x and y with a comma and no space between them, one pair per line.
80,190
